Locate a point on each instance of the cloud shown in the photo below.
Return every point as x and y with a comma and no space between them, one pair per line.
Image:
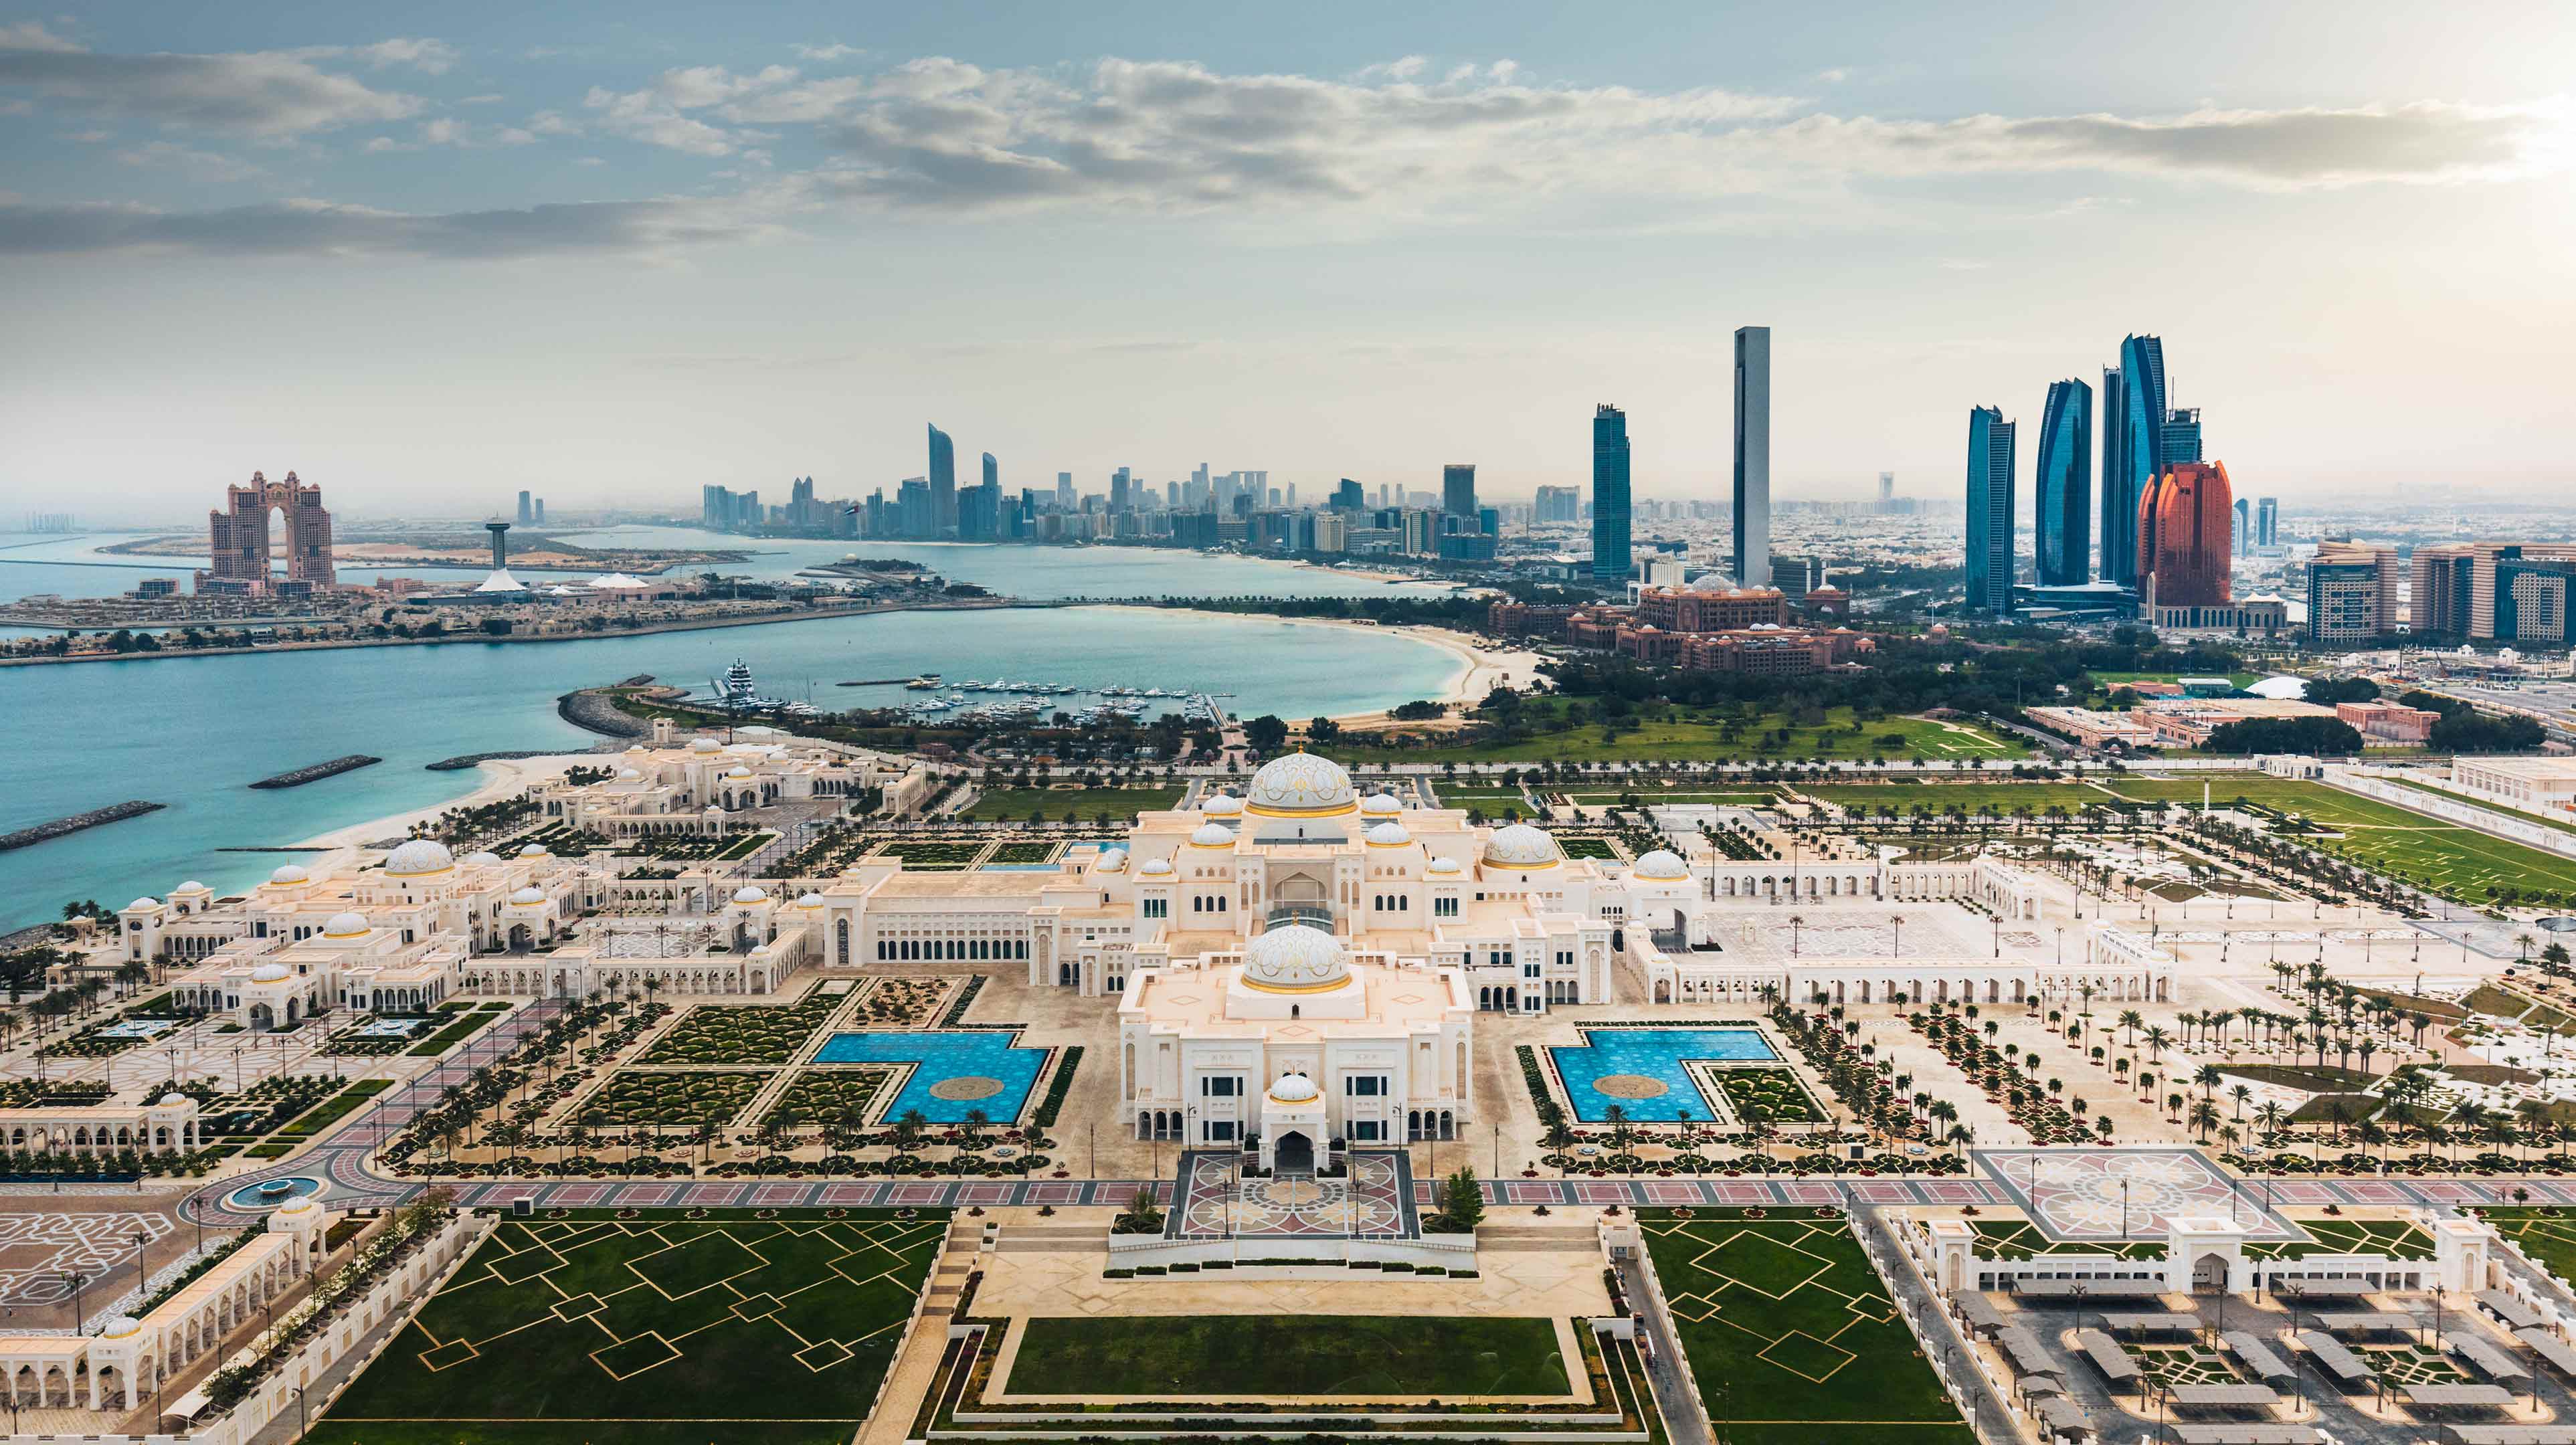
434,57
323,228
834,51
198,165
266,94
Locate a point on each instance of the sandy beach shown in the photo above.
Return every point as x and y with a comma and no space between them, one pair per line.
1482,666
502,778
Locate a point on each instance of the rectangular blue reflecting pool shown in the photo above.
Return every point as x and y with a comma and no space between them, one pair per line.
959,1070
1643,1073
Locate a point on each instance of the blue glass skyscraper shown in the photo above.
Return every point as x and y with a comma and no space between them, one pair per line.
1609,494
1990,511
2139,452
2062,493
943,485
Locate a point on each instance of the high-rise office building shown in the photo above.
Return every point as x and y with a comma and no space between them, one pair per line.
2179,439
993,474
1118,499
2111,419
1458,489
2267,522
1557,504
1609,494
527,514
2132,451
541,511
1989,547
1886,489
1064,491
2062,490
1752,455
916,509
2182,536
943,485
2243,536
1350,496
2352,591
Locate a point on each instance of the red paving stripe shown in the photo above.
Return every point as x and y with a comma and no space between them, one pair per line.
849,1195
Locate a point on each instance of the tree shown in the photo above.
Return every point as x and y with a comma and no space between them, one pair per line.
1266,733
1462,1201
1323,732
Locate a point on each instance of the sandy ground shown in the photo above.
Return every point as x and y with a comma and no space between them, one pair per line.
502,778
1482,667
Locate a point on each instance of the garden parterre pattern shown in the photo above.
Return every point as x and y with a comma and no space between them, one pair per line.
2105,1194
600,1319
1372,1200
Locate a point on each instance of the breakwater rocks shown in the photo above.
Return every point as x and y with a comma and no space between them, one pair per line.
450,765
64,827
595,709
315,773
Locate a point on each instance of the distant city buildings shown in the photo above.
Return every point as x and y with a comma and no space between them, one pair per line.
2132,449
2062,491
1609,494
1458,490
2505,592
1752,557
2267,522
2352,592
237,539
943,484
1557,506
1989,552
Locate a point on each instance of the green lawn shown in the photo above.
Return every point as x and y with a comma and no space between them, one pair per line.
2460,863
2395,1238
2018,1240
2506,809
2004,795
1013,805
677,1332
1305,1355
1792,1335
2547,1235
1707,735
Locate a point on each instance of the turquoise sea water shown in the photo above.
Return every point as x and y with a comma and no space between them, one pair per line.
192,732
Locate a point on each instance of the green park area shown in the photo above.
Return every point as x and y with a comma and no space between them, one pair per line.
674,1332
1017,805
1573,730
1902,801
1791,1334
2547,1234
1295,1355
2457,862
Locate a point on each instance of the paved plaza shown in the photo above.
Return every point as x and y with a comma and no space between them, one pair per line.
2101,1194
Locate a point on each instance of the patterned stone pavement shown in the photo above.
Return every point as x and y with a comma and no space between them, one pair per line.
342,1161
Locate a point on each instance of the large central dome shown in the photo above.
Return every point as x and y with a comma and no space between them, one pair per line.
1295,959
1301,785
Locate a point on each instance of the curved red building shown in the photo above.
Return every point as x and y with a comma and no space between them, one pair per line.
2183,523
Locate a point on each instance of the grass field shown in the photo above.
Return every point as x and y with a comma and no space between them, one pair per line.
2547,1235
2004,795
1689,735
2505,809
1650,795
675,1332
2393,1237
1013,805
2461,863
2015,1239
1303,1355
1792,1335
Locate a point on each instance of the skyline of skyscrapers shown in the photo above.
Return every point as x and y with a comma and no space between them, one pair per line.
2182,537
1609,493
2132,452
1989,549
2062,489
1458,489
1752,545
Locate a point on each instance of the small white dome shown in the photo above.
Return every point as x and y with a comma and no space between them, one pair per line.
1223,805
270,973
1113,860
418,857
629,775
738,771
1662,864
1519,845
1301,785
1298,958
119,1327
146,901
1388,835
483,857
191,886
289,874
528,897
1156,868
705,745
810,900
1380,805
535,850
1212,835
1295,1089
751,893
345,925
1443,866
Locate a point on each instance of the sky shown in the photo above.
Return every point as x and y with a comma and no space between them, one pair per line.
428,255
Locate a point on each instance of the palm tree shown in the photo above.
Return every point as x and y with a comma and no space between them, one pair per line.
2132,1020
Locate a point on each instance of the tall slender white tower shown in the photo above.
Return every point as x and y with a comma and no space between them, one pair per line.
1753,456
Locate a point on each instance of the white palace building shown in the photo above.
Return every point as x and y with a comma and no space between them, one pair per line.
1297,961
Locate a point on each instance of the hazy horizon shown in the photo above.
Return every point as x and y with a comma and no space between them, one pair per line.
426,256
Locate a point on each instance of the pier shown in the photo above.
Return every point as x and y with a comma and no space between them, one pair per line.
64,827
316,772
